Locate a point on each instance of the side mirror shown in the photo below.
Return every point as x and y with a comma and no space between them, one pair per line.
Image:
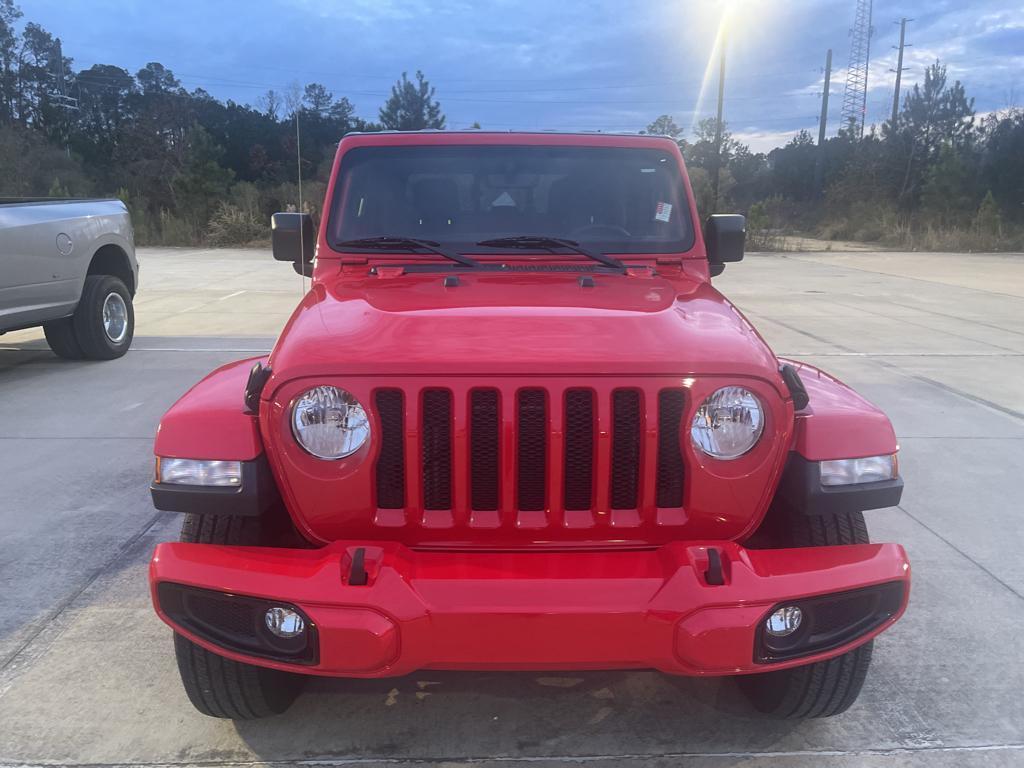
724,236
293,238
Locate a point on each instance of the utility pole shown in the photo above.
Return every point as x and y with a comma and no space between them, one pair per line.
819,163
60,96
899,69
824,98
718,127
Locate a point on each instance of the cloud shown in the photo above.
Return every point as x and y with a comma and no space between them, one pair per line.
574,64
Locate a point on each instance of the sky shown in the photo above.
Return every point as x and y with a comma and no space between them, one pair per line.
611,65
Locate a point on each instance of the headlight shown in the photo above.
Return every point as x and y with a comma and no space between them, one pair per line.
198,472
852,471
329,423
728,424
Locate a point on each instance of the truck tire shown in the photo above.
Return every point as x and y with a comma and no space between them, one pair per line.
824,688
60,335
104,320
221,687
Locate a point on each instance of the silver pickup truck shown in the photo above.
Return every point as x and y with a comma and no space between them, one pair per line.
69,266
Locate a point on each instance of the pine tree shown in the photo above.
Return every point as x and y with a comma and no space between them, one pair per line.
411,106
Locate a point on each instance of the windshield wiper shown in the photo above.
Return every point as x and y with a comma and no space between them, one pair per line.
391,243
542,242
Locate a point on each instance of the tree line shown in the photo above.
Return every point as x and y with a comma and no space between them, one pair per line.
193,168
938,177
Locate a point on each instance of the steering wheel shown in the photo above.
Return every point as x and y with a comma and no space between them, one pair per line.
598,229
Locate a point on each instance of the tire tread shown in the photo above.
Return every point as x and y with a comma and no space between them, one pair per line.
218,686
823,688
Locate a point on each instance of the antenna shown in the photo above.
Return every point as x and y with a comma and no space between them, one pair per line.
302,230
855,97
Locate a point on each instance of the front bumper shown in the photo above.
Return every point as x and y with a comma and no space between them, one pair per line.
562,610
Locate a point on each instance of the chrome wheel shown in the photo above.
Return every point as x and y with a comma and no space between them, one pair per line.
115,317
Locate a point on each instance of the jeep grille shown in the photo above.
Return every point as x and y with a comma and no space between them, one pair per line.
553,445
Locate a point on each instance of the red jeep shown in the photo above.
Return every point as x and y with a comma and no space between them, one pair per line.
512,426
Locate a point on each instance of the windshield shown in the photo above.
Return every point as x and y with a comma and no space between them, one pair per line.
609,199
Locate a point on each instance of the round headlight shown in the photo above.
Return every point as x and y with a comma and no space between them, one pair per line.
728,424
329,423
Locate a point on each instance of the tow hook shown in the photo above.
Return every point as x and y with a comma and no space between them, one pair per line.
357,575
714,576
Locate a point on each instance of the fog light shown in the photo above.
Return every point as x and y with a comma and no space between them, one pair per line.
785,621
284,622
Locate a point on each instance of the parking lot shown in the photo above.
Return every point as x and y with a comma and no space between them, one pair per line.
87,673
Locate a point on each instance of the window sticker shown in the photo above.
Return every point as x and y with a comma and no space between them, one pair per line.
663,212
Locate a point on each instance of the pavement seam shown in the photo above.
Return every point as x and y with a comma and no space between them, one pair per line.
477,760
905,277
958,317
956,549
907,321
953,390
22,655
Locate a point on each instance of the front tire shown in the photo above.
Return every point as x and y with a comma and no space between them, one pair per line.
824,688
221,687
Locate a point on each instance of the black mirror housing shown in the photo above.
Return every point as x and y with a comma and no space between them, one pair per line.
724,237
293,237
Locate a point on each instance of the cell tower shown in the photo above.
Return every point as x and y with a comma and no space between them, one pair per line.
855,97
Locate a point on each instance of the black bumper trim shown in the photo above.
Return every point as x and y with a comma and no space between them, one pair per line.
830,621
257,493
801,488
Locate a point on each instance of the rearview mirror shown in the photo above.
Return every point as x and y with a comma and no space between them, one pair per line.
293,238
724,236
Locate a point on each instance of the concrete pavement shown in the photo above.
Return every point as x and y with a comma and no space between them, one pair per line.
87,676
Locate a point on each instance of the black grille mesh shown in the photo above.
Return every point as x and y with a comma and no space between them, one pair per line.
579,448
670,455
391,462
625,448
532,452
437,449
223,615
483,449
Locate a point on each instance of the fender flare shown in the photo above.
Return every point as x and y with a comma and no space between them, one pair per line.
837,423
210,421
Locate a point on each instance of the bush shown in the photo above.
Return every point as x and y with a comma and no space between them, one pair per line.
764,225
231,225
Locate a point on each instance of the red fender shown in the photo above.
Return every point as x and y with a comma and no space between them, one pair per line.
837,422
210,422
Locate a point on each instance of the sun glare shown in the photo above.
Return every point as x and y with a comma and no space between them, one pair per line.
732,21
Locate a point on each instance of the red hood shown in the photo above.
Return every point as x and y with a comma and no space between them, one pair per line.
527,323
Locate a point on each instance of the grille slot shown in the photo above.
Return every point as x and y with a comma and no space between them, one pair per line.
483,449
579,449
391,462
625,469
532,449
670,455
437,449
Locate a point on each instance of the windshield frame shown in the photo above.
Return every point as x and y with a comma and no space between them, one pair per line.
353,147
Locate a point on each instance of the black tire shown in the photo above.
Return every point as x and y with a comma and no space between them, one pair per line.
221,687
92,336
60,335
824,688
